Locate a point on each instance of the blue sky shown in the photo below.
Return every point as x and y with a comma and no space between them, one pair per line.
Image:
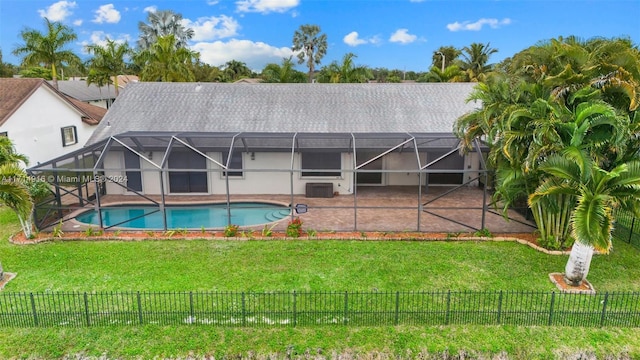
396,34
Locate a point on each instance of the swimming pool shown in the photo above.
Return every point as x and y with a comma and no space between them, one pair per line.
186,216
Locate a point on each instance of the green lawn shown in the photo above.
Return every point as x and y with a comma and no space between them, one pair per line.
304,265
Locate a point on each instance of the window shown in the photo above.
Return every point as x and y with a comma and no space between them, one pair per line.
4,133
321,161
69,136
234,165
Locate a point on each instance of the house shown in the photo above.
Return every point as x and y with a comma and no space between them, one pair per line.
348,154
102,96
42,122
341,135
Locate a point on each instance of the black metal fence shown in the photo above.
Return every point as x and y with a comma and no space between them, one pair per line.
286,309
627,228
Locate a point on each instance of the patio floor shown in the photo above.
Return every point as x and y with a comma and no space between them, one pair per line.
387,209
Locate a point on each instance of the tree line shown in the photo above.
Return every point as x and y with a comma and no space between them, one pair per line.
161,54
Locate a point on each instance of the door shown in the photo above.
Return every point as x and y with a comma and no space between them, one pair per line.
187,181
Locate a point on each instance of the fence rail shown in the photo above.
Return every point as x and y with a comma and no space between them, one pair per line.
627,228
287,309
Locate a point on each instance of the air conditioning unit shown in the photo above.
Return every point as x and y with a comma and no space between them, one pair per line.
319,190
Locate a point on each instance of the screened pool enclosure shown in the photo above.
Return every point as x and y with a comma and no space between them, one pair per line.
384,182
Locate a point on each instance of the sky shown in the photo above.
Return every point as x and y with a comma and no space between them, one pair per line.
394,34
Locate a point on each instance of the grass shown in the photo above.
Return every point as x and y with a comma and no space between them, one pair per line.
304,265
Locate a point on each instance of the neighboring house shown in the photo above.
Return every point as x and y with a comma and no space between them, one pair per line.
42,122
102,96
282,137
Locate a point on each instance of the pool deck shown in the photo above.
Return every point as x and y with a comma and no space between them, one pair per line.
385,209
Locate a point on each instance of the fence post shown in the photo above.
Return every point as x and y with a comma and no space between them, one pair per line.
633,222
604,308
397,307
499,307
192,319
346,307
295,315
139,308
86,308
446,318
33,309
244,311
553,300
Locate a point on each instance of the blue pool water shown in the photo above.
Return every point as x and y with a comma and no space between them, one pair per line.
186,217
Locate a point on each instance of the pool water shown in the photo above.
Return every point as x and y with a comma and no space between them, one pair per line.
186,217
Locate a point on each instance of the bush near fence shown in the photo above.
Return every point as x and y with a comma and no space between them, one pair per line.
287,309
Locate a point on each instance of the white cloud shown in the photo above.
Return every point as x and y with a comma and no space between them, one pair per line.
402,36
266,6
477,26
58,11
352,39
107,14
212,28
212,2
151,9
255,54
77,22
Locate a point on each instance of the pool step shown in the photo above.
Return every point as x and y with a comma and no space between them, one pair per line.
277,215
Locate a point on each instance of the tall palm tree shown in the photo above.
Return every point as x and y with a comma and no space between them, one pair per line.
48,49
310,45
345,72
598,193
162,23
163,61
109,60
283,73
475,60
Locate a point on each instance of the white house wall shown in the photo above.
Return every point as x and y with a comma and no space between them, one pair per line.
35,127
403,161
276,182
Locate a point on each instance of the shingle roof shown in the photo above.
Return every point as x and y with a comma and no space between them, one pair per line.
15,91
80,90
282,108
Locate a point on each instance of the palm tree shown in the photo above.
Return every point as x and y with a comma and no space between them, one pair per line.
236,70
283,73
14,193
109,60
475,60
311,45
598,193
14,184
48,49
450,53
452,73
162,23
163,61
345,72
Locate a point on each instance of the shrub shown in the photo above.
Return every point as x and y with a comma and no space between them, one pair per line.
231,230
294,228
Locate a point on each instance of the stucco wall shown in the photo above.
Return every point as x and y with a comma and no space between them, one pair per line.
35,127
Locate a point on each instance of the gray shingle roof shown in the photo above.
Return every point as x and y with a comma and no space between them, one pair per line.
283,108
79,89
